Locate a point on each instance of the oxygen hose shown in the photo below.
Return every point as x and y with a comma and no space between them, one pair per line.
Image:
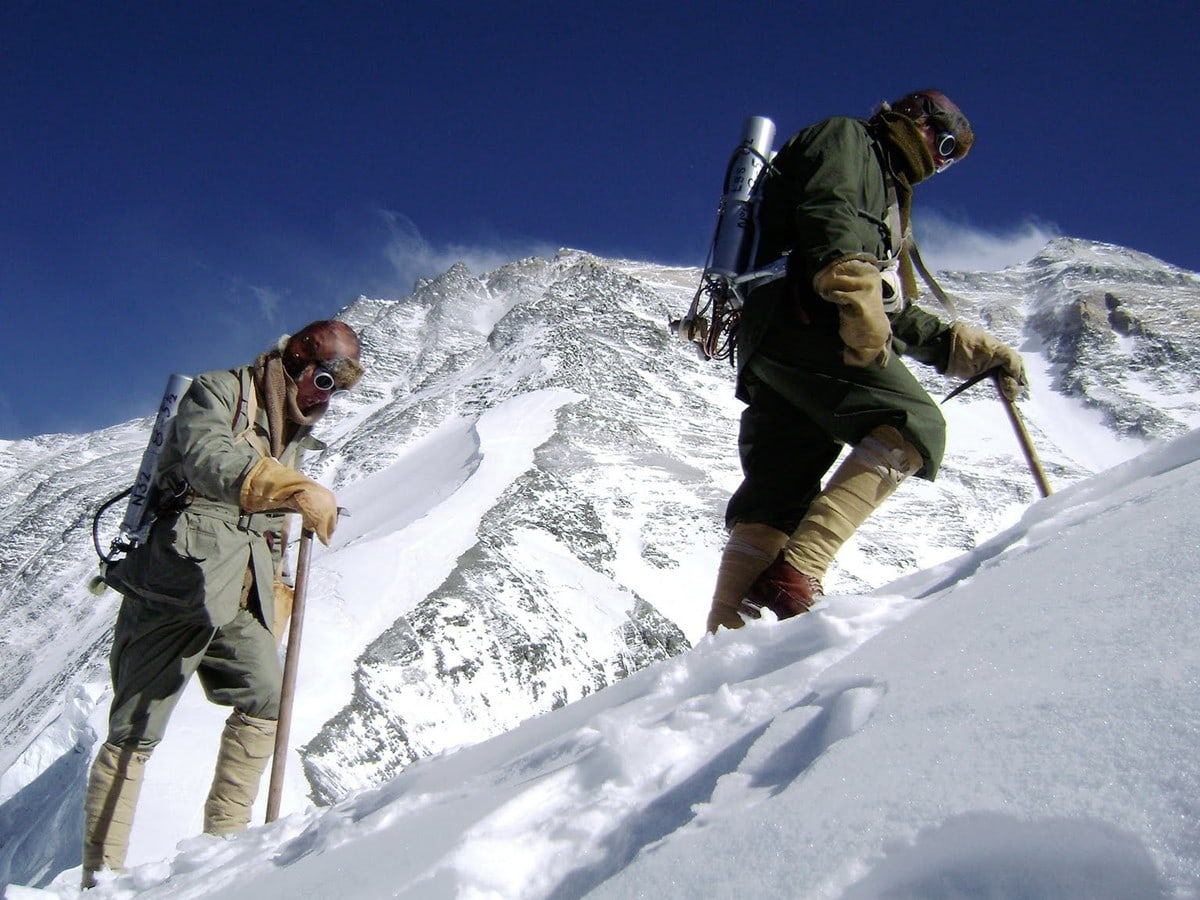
96,524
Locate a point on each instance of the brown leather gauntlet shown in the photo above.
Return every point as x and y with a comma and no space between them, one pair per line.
272,485
974,351
856,287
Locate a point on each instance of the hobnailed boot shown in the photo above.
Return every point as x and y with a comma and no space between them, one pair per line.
750,549
247,745
783,589
867,477
108,808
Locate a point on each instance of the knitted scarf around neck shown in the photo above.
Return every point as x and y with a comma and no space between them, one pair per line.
277,392
909,162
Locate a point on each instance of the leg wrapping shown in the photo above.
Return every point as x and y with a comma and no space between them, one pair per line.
247,745
750,549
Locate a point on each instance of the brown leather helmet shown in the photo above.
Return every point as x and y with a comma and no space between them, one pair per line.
331,344
942,115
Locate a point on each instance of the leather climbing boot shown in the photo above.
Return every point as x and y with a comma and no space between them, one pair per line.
783,589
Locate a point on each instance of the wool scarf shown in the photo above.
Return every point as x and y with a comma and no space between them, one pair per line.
277,391
909,162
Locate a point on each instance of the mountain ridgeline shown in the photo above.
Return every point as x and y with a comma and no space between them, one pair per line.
536,470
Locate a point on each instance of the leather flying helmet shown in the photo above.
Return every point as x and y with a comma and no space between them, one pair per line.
951,130
331,346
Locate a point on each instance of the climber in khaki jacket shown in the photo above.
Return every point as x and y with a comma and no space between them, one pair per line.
818,352
201,594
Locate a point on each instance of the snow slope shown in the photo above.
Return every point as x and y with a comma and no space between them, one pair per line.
1020,721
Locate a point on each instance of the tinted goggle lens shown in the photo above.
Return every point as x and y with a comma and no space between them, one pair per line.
946,145
323,381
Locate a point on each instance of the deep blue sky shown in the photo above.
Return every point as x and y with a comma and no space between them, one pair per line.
182,182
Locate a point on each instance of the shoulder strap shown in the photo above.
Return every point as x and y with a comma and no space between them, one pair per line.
890,226
247,412
756,193
928,278
896,234
900,241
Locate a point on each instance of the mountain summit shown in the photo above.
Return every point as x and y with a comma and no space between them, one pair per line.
536,471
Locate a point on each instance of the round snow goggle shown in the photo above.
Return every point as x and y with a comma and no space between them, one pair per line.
323,381
944,145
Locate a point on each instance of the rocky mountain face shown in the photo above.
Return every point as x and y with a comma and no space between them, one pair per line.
53,633
540,430
1120,331
1117,328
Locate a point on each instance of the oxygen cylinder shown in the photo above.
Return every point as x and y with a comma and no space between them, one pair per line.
137,513
731,246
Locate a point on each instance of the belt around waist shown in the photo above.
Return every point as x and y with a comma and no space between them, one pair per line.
259,523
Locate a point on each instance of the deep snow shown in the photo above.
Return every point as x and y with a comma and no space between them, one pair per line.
1020,722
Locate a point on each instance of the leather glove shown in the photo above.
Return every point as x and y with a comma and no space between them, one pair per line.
974,351
272,485
856,286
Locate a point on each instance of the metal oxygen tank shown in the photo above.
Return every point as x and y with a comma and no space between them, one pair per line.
137,513
710,319
734,238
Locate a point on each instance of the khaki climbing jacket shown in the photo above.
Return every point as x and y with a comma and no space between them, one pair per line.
201,545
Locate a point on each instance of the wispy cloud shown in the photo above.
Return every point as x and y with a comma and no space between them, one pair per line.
412,257
955,246
269,300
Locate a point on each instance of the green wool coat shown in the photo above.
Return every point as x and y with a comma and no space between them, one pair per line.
827,199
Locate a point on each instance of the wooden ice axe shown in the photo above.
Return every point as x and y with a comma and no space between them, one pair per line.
1014,416
291,665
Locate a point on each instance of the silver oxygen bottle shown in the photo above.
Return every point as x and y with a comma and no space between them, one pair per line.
137,513
734,237
715,307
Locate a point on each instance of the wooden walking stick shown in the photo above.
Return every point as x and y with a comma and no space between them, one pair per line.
1031,457
290,665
